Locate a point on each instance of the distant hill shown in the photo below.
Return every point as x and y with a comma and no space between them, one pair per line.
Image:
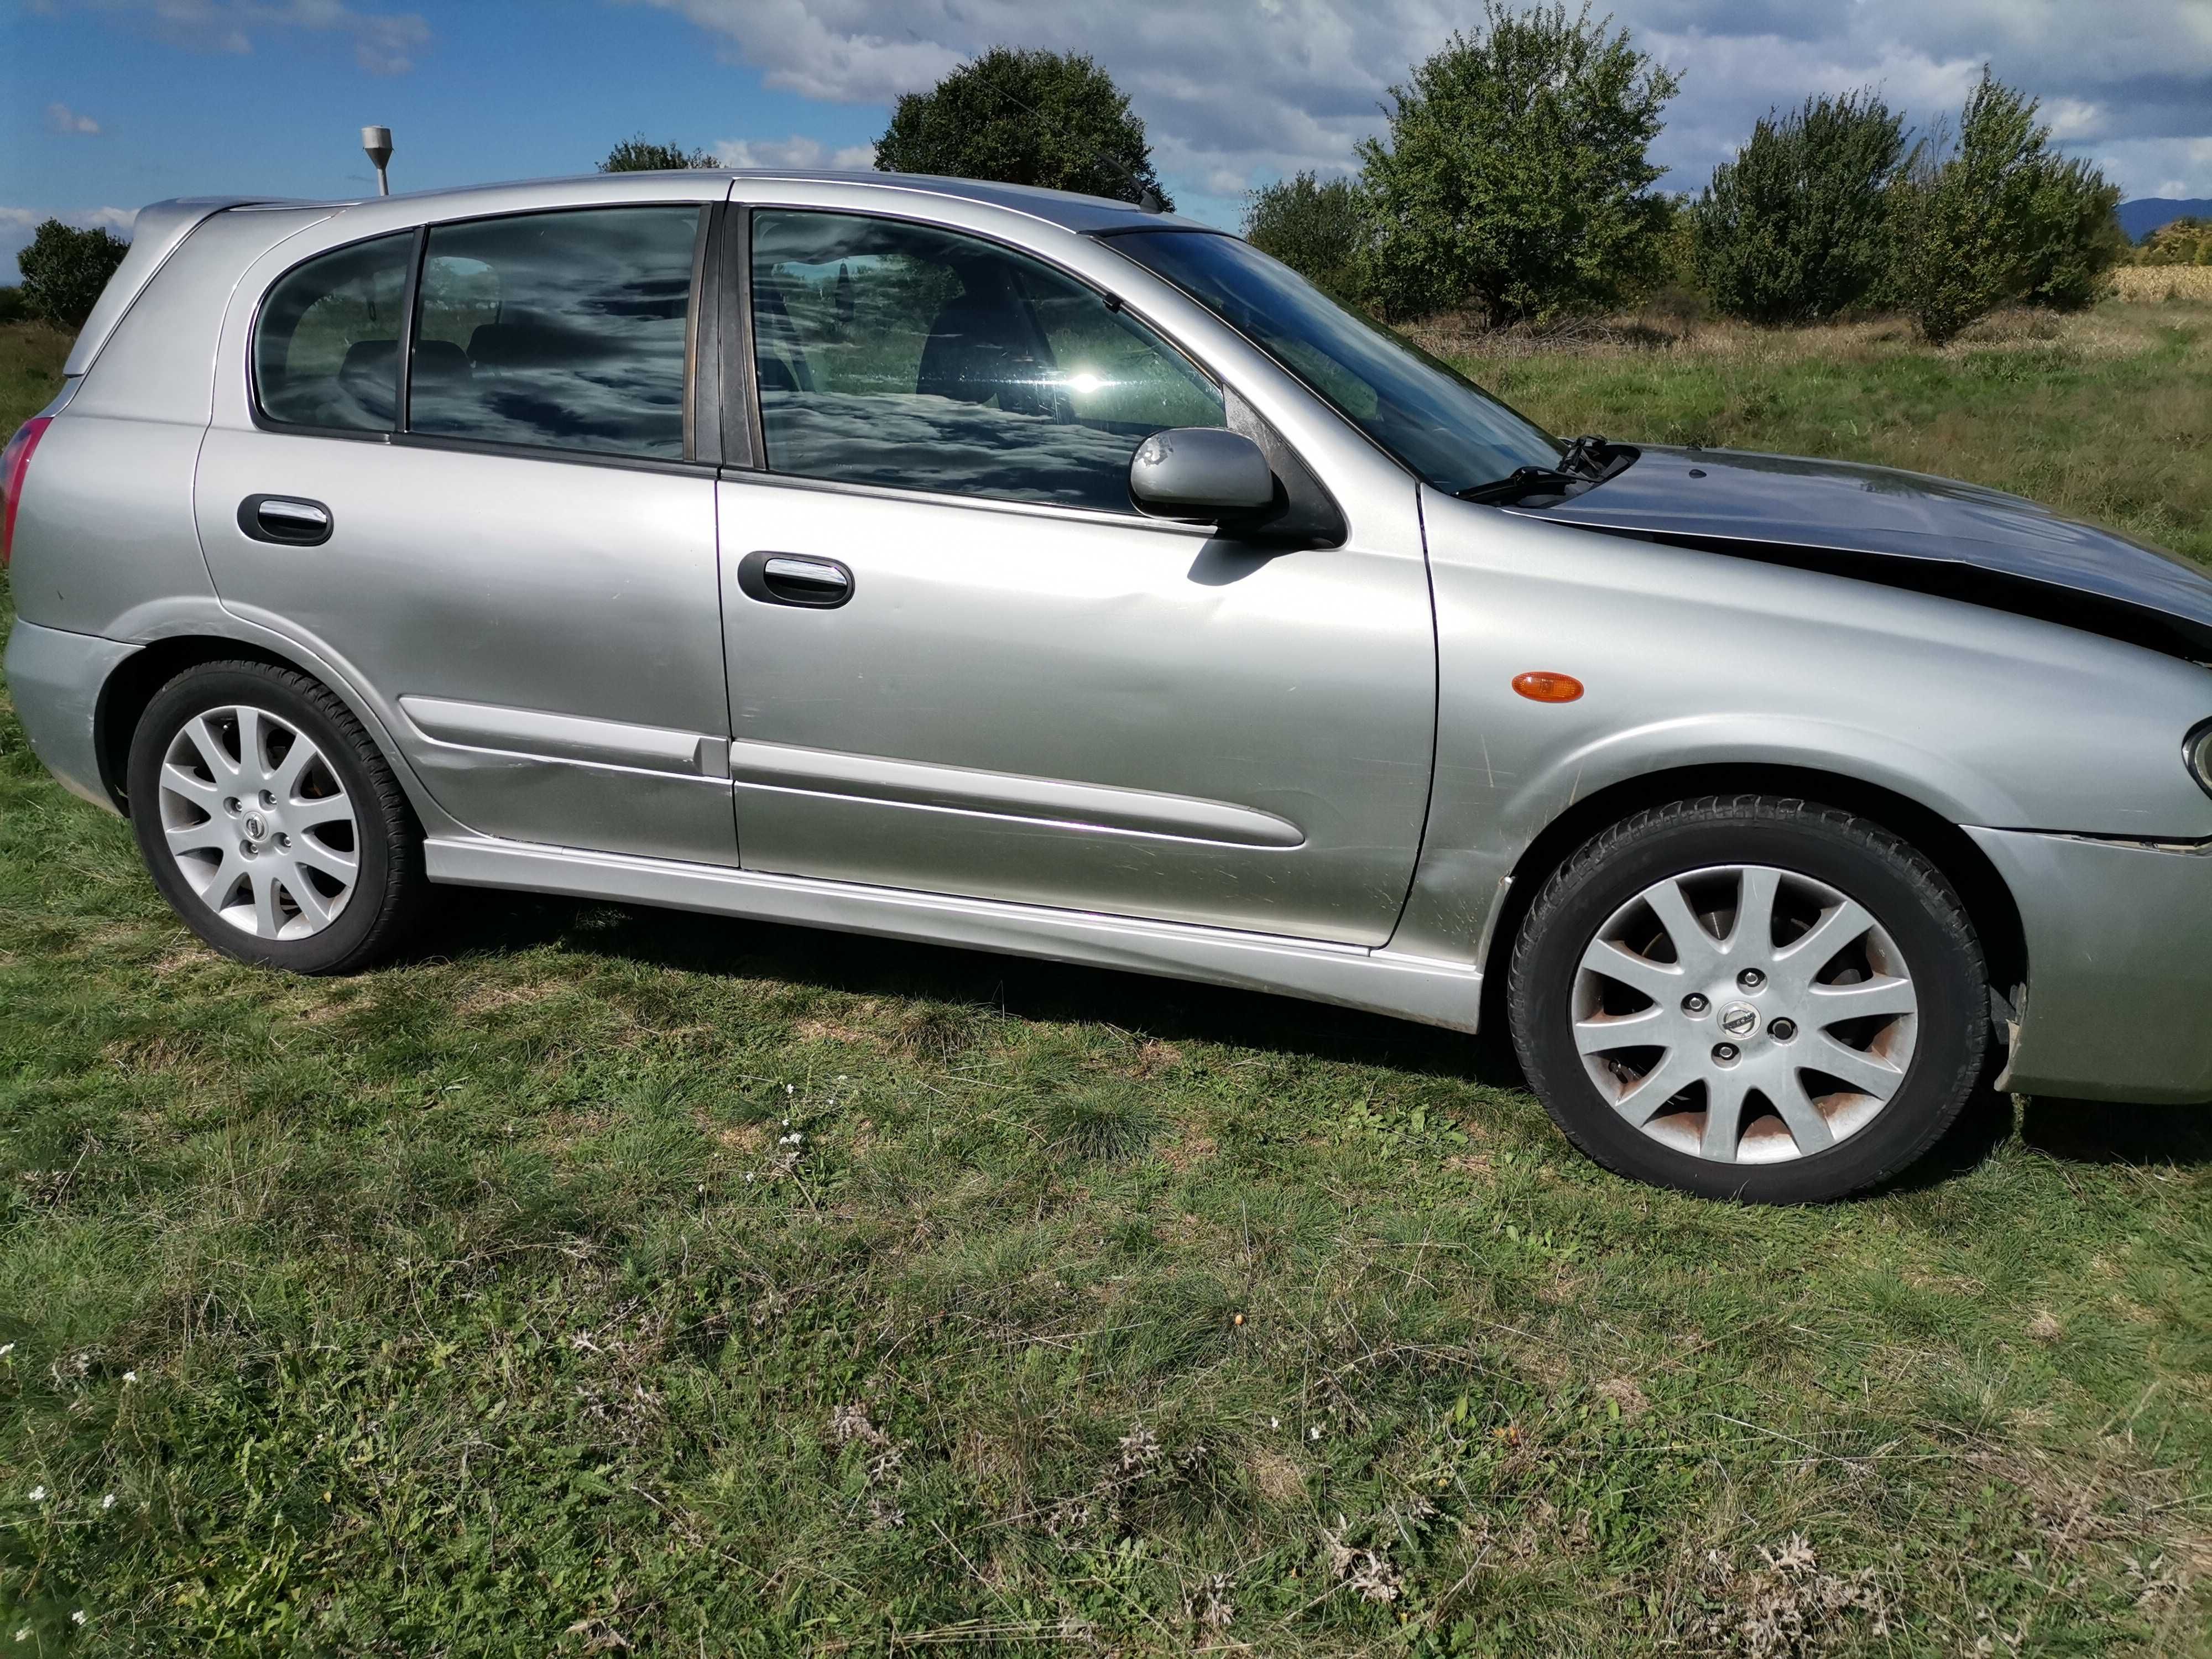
2139,218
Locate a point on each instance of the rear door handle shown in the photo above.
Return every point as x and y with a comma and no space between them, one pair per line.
811,583
288,520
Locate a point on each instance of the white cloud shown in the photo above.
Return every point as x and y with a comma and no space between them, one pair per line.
384,42
17,225
1236,94
60,117
796,152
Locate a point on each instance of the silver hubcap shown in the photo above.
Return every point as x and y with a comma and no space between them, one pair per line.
258,824
1745,1014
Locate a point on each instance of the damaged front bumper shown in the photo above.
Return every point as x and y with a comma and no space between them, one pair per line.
2119,1004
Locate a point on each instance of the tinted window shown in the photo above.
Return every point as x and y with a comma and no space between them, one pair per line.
326,344
1444,426
566,330
896,354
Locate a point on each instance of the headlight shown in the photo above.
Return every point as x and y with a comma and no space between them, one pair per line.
2197,749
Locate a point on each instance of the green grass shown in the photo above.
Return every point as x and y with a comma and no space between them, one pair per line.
487,1303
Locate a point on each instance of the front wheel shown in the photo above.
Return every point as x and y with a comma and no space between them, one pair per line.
269,820
1750,997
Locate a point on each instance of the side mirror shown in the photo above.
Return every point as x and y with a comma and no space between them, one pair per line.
1204,473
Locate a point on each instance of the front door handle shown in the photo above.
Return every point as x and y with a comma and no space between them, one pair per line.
288,520
799,579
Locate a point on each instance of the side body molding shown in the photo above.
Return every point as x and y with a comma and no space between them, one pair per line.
568,737
786,766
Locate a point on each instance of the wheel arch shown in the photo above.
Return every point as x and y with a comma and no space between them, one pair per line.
1989,903
136,680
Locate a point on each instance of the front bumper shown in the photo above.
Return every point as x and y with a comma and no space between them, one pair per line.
54,679
2119,966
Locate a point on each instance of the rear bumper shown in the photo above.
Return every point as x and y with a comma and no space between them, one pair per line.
2119,966
54,679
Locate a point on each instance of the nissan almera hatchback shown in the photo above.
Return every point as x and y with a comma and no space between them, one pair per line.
959,561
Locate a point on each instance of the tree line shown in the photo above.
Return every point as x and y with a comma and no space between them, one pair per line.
1513,179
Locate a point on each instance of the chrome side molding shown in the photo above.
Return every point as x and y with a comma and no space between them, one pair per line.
1432,992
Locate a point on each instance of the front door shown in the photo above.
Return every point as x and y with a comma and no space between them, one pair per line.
512,549
960,662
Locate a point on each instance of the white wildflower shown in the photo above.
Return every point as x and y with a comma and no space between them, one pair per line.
1274,1422
1314,1433
37,1494
6,1348
129,1377
108,1502
77,1618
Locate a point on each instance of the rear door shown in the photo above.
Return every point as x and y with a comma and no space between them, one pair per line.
961,662
513,547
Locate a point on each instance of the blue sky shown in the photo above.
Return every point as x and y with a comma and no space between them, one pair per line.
110,104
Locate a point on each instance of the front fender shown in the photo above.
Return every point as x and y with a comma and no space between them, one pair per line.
1696,659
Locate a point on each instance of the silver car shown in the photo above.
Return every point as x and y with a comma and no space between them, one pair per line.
959,561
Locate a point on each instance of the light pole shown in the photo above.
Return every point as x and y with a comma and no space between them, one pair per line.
377,141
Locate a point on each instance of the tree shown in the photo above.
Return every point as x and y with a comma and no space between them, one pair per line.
1514,174
1797,227
1312,227
2181,242
2073,240
1024,118
1998,218
64,269
641,155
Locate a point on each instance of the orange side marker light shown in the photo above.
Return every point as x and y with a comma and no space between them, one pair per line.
1541,685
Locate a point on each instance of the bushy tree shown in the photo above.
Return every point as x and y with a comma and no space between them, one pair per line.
12,309
1797,227
1515,176
641,155
1312,227
64,269
1999,217
1024,118
2072,239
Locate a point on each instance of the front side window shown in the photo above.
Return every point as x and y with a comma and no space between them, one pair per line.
905,355
1441,425
326,341
557,331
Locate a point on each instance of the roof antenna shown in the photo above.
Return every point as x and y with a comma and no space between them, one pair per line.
377,141
1150,201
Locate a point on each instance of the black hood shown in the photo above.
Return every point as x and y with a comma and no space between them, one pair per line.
1907,530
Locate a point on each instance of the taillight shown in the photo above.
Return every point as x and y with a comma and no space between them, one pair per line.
14,462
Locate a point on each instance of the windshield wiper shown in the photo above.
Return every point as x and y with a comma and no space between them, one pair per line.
1525,481
1587,460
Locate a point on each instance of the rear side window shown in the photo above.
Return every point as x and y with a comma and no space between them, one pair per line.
899,354
558,330
326,344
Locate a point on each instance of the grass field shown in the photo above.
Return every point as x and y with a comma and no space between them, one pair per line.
617,1281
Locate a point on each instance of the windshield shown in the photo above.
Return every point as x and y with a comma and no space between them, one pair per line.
1435,420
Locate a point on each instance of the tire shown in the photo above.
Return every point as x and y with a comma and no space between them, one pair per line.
1869,966
303,859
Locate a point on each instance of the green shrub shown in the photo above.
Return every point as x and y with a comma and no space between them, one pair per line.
1515,174
1797,227
1312,227
641,155
65,269
1999,217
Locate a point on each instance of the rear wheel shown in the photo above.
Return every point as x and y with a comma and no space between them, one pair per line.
1750,997
270,822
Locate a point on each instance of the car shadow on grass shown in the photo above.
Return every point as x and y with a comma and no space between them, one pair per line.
474,921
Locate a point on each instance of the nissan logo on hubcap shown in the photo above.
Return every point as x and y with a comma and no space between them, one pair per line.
1739,1019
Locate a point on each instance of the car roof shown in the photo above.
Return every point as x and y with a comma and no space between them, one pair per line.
1069,209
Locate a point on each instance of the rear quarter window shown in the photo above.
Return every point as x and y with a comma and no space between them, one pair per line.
326,341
